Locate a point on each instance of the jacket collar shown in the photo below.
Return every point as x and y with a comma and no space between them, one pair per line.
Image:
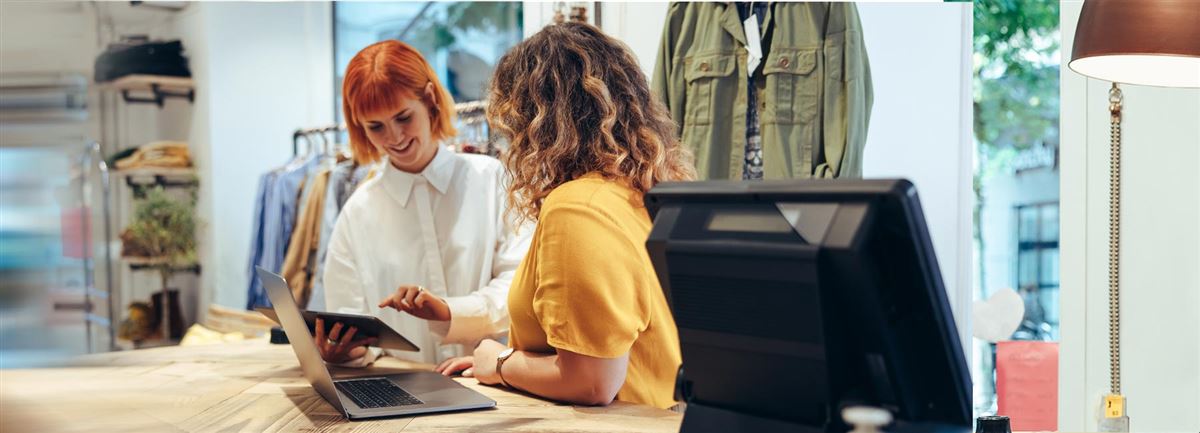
732,22
440,171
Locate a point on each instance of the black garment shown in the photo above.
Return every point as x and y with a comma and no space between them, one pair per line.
753,160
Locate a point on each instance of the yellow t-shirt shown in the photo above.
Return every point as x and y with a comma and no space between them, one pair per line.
587,286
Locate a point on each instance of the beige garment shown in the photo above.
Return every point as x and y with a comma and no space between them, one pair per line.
300,260
158,154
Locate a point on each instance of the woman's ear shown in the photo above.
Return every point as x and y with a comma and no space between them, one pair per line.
431,96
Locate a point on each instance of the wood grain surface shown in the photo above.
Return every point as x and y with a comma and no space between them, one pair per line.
252,386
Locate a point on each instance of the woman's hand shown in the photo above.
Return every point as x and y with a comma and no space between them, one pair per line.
455,365
338,348
417,301
485,369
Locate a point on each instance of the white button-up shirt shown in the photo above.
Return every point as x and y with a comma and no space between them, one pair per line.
443,229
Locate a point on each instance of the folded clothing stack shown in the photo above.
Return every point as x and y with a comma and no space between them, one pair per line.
139,55
157,154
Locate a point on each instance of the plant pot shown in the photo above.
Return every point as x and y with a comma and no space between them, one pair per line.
175,317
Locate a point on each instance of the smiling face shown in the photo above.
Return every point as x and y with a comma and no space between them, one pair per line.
395,107
403,133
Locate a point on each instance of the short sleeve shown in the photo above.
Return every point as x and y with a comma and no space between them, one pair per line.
587,299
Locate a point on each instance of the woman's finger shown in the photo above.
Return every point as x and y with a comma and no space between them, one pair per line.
470,372
349,346
459,364
397,299
335,332
450,366
410,297
349,336
320,337
421,299
443,365
387,302
393,300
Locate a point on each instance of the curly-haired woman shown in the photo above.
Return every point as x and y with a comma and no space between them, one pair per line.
589,322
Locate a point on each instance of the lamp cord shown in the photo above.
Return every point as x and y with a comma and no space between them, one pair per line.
1115,99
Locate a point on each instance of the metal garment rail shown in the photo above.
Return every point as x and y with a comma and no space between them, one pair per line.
308,133
473,108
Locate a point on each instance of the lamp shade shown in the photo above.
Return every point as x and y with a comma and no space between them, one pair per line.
1147,42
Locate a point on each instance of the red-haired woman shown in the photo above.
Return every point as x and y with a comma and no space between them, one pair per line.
425,245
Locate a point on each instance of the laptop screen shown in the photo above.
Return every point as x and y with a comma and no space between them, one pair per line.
301,340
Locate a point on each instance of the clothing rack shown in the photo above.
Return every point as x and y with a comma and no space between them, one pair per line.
475,135
91,163
468,112
473,108
308,133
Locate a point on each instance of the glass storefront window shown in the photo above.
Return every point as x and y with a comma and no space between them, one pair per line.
462,41
1016,100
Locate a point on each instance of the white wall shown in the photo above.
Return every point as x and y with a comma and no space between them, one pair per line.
261,70
39,37
1160,251
638,24
921,125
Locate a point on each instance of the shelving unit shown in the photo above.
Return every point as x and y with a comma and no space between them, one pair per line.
122,94
160,88
167,177
156,171
144,263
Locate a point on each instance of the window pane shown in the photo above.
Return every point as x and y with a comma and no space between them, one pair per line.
462,41
1049,300
1027,220
1049,223
1027,268
1049,268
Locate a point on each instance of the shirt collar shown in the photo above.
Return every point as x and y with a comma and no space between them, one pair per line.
438,173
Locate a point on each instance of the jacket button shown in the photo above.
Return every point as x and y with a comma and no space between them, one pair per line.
783,63
704,67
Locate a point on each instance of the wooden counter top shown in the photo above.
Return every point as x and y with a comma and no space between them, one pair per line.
253,386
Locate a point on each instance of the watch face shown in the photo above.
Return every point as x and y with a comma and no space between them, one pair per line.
505,354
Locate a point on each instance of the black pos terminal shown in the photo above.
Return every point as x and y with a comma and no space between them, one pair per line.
796,299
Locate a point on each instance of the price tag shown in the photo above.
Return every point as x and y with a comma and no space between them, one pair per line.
753,44
1114,406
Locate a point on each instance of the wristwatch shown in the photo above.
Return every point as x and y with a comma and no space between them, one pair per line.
503,356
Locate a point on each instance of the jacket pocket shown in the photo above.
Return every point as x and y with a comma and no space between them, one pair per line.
703,72
793,86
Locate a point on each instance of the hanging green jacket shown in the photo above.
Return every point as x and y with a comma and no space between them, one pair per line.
814,88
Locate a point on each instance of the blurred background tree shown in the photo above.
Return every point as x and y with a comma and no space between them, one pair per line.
434,30
1016,76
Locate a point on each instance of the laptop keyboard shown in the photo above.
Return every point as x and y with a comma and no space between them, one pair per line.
373,393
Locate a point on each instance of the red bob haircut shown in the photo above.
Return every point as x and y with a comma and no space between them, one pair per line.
378,78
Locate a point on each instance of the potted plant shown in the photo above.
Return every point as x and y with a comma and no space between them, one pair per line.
162,236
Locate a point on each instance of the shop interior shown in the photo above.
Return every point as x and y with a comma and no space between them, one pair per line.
137,205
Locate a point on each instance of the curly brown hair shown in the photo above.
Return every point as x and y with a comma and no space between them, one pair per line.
571,101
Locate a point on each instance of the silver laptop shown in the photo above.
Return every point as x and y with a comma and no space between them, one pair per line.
410,393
